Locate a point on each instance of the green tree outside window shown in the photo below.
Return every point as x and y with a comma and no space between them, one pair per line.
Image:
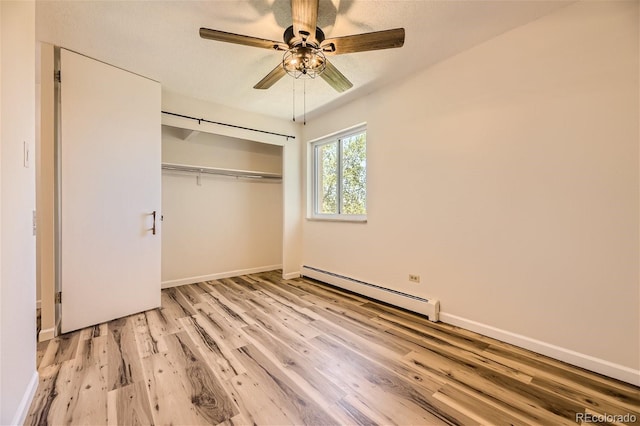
341,175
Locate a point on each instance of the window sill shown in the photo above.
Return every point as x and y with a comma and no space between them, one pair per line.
339,218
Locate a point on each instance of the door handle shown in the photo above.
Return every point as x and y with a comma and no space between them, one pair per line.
153,228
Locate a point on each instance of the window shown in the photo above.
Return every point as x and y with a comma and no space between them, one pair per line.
339,167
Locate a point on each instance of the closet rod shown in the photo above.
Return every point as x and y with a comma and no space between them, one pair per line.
200,120
225,172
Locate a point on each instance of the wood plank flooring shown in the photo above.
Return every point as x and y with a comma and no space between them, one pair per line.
258,349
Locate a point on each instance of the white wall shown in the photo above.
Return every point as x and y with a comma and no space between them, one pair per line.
18,377
293,207
507,178
225,226
2,373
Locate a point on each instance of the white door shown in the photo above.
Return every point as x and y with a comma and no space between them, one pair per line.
110,177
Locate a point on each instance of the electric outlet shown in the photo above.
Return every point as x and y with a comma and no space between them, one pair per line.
414,278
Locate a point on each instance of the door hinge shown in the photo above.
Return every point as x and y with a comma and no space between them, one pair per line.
35,223
57,76
59,297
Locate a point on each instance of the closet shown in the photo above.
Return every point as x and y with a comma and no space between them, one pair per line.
222,206
139,198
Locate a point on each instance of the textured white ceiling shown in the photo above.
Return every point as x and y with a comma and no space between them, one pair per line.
159,39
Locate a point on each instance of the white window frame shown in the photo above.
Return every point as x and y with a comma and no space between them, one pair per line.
314,214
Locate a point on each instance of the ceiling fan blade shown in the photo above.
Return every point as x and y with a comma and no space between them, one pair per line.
305,18
377,40
335,78
270,79
244,40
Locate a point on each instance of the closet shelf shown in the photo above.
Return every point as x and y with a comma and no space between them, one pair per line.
224,172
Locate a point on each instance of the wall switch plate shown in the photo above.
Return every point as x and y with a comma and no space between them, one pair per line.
26,154
414,278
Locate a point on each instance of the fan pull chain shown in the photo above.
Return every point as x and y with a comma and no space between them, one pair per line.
304,102
294,99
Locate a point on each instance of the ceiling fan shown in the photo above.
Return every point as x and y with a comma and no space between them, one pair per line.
306,47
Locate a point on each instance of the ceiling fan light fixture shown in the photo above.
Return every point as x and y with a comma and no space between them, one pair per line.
305,47
304,61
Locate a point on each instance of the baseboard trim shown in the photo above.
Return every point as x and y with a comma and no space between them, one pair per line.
46,334
597,365
217,276
25,403
291,275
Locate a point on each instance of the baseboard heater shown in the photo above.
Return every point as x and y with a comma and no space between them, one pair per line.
427,307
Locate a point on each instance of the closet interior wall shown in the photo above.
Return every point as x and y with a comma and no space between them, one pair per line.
222,226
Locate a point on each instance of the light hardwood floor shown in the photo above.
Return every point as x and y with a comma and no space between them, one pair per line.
258,349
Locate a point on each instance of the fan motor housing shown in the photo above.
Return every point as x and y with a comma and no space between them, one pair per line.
289,36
